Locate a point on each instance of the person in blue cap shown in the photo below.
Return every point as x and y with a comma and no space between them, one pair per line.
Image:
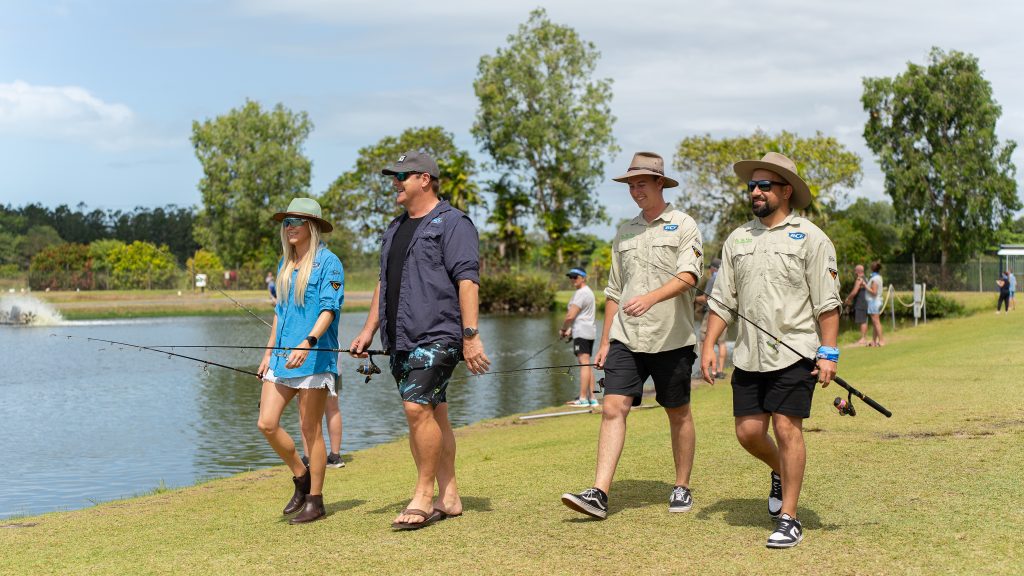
579,325
310,287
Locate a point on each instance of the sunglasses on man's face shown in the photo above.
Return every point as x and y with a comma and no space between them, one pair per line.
573,277
763,185
403,176
293,222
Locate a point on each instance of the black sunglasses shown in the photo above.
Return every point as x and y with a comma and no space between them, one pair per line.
403,176
763,185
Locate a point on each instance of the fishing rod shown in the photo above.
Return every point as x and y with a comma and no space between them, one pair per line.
843,407
228,346
239,304
202,361
568,367
539,352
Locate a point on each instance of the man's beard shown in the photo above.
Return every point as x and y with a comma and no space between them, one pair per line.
765,210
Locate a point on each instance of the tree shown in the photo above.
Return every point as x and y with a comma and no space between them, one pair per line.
253,166
37,239
546,121
142,265
507,211
61,267
950,179
364,200
714,196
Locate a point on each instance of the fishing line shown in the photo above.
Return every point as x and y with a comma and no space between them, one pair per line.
567,367
202,361
777,341
227,346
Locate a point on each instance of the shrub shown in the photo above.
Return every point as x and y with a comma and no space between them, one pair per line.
938,306
515,293
142,265
61,267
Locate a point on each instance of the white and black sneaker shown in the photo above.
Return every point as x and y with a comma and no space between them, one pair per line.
788,533
775,496
334,460
681,500
592,502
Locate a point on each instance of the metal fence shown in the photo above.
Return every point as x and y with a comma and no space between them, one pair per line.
977,276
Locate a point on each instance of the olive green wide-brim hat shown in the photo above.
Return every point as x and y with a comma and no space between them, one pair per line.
305,208
784,167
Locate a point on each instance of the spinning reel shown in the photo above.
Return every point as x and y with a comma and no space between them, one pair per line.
845,407
368,369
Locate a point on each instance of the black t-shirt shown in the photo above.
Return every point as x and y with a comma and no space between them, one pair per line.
396,262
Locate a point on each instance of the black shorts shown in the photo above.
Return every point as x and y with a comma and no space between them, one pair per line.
787,391
582,346
860,315
422,375
626,371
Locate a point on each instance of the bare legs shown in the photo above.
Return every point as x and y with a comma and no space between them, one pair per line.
273,400
788,458
432,443
586,377
683,441
876,323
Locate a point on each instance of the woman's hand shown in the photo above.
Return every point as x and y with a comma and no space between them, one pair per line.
264,366
298,355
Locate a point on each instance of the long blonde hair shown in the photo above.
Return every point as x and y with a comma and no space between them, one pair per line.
284,276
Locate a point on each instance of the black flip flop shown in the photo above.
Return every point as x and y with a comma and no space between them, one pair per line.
428,519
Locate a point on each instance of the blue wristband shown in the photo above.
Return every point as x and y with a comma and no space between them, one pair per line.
829,353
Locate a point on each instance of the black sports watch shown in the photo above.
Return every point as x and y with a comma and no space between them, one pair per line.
311,340
469,332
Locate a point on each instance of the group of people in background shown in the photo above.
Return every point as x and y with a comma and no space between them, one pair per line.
866,301
777,274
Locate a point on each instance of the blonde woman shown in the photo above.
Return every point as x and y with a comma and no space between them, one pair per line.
310,288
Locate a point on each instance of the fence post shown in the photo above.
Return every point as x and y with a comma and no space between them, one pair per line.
924,301
892,298
979,273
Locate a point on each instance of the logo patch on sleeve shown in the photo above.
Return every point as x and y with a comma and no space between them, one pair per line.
697,252
833,272
335,284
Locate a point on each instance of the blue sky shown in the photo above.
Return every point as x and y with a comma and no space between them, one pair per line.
97,98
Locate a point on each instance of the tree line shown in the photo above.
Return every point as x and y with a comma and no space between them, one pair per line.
545,123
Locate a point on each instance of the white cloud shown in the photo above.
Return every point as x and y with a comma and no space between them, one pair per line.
62,112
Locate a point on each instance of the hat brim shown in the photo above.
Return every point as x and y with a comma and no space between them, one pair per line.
801,197
325,226
669,182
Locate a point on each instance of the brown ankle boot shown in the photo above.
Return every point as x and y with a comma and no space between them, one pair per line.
301,491
314,510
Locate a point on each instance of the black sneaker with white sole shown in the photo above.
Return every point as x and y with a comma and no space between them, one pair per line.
775,496
334,460
681,500
592,502
788,533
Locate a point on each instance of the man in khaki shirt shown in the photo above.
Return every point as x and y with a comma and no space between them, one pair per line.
648,330
779,272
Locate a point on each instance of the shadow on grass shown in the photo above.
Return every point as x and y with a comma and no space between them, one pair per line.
342,505
754,512
469,504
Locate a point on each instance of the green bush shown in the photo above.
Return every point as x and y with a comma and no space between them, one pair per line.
142,265
61,267
515,293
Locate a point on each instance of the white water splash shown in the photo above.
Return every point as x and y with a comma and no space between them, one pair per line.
27,310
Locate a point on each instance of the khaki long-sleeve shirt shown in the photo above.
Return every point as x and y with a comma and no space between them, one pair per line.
783,279
644,257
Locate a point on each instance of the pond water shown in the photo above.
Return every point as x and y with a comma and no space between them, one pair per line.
85,422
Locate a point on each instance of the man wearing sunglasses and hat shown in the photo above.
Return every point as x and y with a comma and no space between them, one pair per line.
426,306
779,272
648,330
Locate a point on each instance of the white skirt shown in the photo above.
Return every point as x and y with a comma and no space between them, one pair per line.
311,382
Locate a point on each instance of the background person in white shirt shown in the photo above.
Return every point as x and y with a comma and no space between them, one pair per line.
579,324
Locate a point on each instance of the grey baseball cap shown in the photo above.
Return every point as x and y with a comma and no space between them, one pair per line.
413,161
715,263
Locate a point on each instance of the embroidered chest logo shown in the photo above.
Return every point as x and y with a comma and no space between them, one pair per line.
335,284
437,220
743,241
797,235
671,227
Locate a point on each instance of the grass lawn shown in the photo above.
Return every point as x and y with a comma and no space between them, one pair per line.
935,490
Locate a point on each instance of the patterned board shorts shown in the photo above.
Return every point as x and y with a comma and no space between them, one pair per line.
422,374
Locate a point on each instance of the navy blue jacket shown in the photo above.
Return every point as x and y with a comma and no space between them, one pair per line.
444,250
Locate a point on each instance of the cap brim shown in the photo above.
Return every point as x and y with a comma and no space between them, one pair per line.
669,182
325,226
801,197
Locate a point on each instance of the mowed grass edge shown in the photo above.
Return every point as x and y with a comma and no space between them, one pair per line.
934,490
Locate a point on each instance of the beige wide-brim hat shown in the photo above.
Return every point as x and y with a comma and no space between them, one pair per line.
647,163
305,208
782,166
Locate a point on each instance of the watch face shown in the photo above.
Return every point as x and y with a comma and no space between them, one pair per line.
470,332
